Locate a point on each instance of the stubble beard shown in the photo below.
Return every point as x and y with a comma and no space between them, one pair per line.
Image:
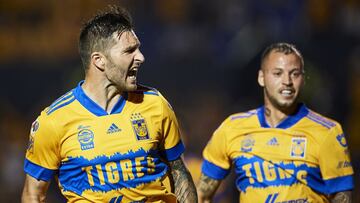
282,106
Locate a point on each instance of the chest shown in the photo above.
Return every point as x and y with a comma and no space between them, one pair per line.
91,137
276,145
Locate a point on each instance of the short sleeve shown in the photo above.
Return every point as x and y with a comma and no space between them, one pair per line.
335,164
216,162
42,155
173,147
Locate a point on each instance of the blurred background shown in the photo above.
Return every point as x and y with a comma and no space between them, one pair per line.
202,55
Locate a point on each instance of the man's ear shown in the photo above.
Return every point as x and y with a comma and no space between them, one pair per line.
261,78
98,60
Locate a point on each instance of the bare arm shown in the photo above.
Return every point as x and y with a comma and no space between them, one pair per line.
341,197
34,190
184,186
207,188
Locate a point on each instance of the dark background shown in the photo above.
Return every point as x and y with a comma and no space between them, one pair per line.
202,55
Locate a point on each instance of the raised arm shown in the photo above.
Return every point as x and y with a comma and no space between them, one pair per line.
207,188
341,197
34,190
184,186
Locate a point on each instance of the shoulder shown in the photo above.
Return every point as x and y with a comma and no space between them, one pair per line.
322,121
60,104
241,119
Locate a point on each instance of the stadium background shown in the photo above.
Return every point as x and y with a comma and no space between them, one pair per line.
202,55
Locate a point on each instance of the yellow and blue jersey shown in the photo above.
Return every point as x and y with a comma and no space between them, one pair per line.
106,157
303,159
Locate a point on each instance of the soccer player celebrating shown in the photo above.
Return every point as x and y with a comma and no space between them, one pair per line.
108,139
282,151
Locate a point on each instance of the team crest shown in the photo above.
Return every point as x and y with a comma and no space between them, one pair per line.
247,144
298,147
85,138
139,125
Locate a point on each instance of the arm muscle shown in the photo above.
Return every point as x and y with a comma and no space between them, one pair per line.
34,190
184,185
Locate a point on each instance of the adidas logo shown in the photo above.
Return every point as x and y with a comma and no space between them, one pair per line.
113,129
273,142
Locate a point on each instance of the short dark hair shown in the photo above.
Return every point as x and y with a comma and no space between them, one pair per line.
96,34
284,48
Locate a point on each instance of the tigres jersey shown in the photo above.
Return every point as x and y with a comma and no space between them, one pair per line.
101,157
303,159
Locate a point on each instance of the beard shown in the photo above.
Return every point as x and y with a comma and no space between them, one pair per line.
119,77
281,105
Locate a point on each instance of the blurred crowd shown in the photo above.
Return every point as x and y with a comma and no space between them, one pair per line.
202,55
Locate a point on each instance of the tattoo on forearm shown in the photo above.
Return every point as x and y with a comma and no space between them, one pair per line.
184,186
208,186
342,197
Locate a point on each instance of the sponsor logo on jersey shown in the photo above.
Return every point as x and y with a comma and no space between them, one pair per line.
85,137
298,147
341,139
113,129
273,142
247,144
139,125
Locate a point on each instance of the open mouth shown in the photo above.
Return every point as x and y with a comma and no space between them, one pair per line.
287,92
132,73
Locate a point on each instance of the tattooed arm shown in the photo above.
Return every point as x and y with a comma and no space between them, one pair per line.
341,197
207,188
184,186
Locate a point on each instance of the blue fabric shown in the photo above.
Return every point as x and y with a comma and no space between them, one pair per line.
38,172
339,184
288,122
174,153
213,171
93,107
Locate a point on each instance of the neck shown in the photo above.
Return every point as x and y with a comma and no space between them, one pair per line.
275,115
101,92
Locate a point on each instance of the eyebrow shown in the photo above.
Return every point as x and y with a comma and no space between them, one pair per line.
133,46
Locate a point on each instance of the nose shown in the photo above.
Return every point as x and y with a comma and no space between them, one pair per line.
139,57
287,80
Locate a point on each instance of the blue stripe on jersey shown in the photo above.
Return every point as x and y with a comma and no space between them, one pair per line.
288,122
243,115
174,152
38,172
66,102
151,93
320,120
257,173
93,107
106,173
213,171
339,184
62,98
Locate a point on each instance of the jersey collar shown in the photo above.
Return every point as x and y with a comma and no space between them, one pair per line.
93,107
288,122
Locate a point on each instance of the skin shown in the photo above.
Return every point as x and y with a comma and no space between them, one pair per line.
282,78
207,188
114,72
185,189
